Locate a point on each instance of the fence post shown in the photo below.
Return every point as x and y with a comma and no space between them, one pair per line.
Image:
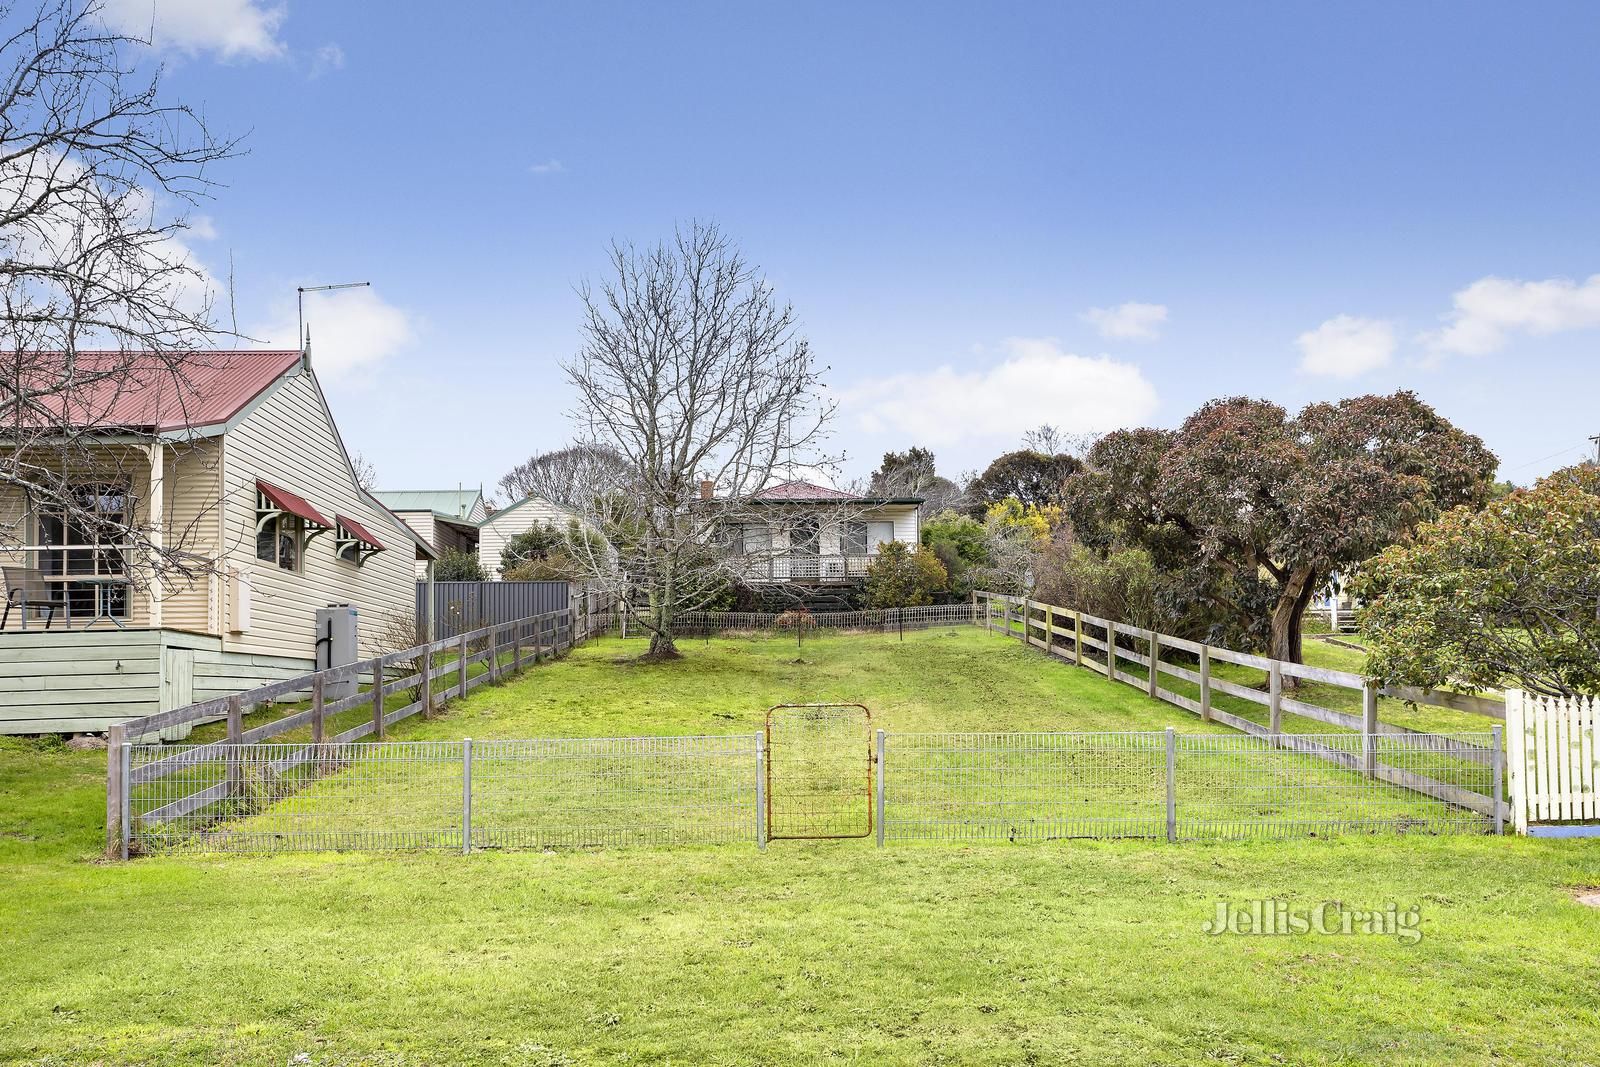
1077,638
1155,658
427,681
516,648
1049,627
975,606
1369,726
1172,785
1496,773
879,799
461,667
1275,698
319,700
1517,755
116,787
466,795
377,697
235,739
494,654
1205,683
761,790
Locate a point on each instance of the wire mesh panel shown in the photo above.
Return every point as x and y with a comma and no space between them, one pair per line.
1302,784
576,792
819,771
1023,786
286,797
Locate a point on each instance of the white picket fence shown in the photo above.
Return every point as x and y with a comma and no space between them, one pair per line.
1553,751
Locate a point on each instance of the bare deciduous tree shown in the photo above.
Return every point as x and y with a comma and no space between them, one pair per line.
692,371
101,307
565,473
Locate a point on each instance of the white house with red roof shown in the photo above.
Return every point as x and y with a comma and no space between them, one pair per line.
237,464
800,532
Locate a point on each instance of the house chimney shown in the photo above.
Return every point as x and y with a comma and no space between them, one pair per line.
706,486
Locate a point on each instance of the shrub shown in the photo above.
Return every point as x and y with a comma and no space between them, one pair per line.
457,565
899,577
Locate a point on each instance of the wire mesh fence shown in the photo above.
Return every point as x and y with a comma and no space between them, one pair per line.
934,787
1046,786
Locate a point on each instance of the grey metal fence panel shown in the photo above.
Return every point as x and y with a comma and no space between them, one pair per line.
563,792
1020,787
461,607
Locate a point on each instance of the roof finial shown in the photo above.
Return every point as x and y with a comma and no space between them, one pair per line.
305,348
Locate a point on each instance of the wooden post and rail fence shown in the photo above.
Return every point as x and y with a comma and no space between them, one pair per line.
524,641
1068,633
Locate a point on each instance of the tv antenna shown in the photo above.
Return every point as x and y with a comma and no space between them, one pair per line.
300,303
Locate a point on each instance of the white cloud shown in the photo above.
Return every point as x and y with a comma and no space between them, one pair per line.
1346,347
353,331
1037,383
232,29
1490,310
329,57
1128,322
549,166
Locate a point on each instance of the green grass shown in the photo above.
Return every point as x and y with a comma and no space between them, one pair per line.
1087,952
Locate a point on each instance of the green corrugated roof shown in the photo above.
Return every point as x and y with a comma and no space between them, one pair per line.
451,503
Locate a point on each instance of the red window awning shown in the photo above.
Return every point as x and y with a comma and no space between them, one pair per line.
291,504
359,532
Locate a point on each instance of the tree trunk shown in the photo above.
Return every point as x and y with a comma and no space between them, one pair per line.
1289,614
662,645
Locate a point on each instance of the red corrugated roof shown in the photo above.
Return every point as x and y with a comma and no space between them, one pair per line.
294,504
150,391
359,532
800,491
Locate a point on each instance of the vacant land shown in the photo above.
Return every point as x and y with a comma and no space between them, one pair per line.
807,953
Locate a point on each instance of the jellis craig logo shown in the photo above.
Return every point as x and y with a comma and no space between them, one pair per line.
1279,918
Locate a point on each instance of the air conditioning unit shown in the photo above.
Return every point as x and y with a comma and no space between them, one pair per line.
338,632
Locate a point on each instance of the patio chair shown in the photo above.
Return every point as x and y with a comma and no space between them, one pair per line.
25,588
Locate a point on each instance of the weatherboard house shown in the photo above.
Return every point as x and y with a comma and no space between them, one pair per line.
447,519
798,532
237,467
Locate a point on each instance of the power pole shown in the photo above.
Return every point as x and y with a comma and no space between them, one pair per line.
1595,440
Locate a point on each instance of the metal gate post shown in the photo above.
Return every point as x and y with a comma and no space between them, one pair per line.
1172,785
1496,763
466,796
761,790
878,760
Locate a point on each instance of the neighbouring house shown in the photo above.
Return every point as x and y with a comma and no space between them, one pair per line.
501,526
241,467
445,518
817,535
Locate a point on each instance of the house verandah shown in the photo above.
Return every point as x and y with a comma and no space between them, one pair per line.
797,532
92,634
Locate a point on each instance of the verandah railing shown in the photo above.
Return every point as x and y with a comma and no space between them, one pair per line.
501,648
1111,644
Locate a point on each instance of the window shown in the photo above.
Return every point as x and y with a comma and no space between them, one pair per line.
878,533
757,540
279,539
853,539
353,542
84,550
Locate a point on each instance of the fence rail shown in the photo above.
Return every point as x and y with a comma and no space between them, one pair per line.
461,663
929,787
1107,647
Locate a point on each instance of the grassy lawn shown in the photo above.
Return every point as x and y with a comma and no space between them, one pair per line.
1088,952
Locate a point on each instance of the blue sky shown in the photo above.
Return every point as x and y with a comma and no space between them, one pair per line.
1295,201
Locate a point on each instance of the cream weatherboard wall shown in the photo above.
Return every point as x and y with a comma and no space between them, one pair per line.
505,524
289,439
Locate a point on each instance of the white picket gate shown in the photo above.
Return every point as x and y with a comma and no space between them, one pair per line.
1553,753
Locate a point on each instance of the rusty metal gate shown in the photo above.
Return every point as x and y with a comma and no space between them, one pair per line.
819,771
